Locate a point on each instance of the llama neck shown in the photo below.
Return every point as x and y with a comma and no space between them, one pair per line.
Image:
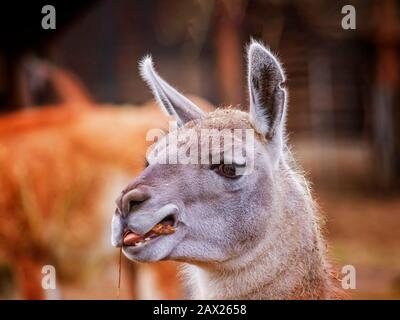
262,278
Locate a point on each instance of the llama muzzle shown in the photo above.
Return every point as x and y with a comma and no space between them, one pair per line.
144,227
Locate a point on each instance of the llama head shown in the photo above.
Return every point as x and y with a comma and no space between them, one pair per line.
221,207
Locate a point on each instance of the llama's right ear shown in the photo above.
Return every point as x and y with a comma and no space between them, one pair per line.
267,96
170,100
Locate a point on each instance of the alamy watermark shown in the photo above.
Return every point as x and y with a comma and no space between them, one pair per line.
202,146
49,18
49,281
349,18
349,277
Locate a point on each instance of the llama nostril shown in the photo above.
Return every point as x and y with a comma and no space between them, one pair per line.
133,205
133,199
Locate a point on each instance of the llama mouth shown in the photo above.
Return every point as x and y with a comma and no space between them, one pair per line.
164,227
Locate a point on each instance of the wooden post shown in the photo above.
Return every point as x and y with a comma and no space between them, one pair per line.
385,93
229,51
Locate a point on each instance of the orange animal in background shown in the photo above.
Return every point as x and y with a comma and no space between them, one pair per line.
60,170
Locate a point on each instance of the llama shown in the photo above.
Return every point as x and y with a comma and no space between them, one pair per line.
240,236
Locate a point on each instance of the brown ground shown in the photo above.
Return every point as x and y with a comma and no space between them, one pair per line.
364,231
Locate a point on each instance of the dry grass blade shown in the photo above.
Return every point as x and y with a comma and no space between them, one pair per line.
119,272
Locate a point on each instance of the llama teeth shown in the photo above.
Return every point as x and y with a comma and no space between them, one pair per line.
147,239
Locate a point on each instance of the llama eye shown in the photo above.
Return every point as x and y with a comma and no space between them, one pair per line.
227,170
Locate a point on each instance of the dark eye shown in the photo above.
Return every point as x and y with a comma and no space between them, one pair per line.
227,170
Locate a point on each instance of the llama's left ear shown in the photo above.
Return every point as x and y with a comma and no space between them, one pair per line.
170,100
267,95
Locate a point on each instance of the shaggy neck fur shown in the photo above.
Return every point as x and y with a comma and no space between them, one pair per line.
288,264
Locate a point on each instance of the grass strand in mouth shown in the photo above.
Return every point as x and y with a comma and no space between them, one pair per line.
119,272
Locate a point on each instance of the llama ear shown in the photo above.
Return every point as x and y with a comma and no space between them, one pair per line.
170,100
267,96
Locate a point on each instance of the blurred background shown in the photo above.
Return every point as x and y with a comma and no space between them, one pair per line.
67,96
